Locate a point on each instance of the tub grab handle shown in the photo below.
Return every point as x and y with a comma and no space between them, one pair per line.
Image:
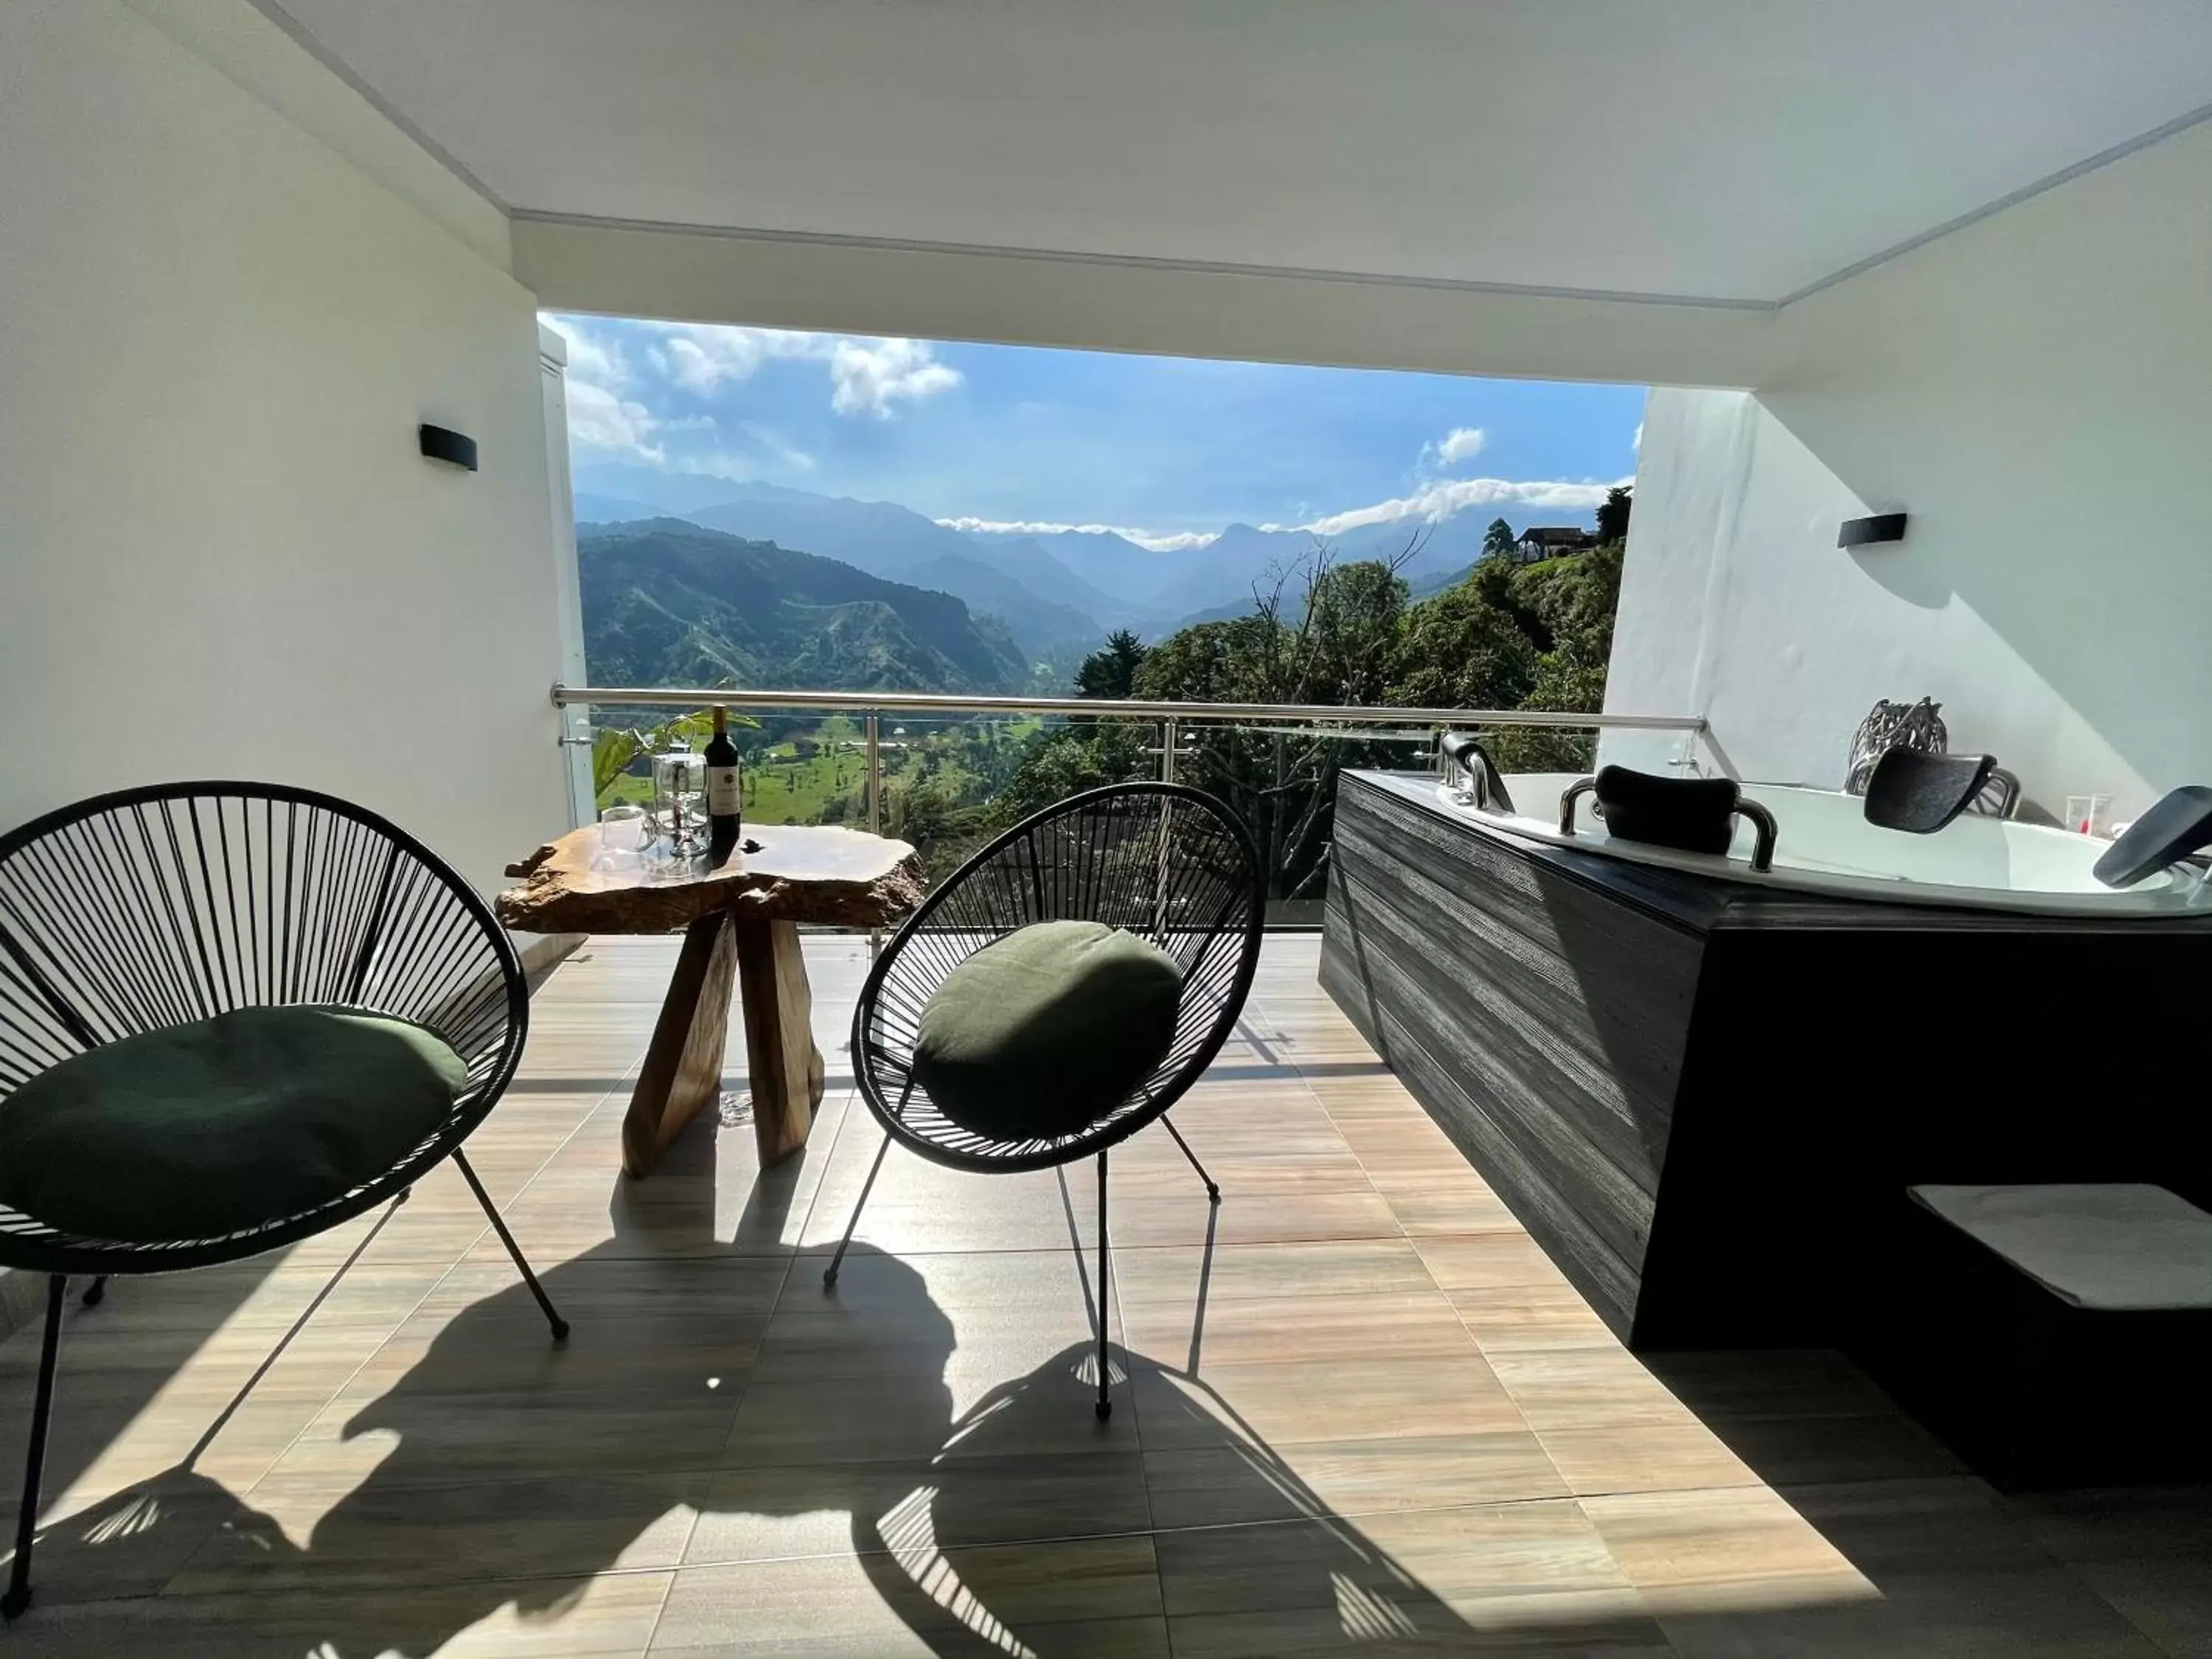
1573,792
1763,829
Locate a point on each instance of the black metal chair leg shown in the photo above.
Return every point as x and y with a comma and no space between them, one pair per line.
552,1315
1212,1192
830,1277
97,1293
34,1462
1105,1407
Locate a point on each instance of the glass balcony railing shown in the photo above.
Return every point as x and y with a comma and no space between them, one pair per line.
948,773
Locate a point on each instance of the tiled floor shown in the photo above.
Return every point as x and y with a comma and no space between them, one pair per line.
1358,1410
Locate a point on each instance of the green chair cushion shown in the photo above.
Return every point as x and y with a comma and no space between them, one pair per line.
1044,1032
225,1124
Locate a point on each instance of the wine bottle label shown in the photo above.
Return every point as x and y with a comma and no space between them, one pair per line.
722,792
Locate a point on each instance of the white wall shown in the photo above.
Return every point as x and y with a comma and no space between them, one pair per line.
2036,390
1022,298
222,554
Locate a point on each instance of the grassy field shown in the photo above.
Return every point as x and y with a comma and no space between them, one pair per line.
783,787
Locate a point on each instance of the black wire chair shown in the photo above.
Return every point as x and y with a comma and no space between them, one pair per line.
1167,862
157,907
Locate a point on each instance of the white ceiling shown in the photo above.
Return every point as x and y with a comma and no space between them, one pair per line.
1716,149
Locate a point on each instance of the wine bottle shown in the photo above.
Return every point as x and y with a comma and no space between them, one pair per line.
724,791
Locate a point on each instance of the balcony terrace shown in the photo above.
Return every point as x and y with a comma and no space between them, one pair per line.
1364,1411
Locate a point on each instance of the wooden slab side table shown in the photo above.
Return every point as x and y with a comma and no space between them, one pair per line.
740,919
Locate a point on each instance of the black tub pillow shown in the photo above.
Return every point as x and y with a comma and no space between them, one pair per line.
1693,815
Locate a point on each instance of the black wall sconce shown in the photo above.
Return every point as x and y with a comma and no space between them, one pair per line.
1869,532
456,449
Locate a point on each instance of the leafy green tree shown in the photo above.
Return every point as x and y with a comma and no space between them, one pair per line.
1499,538
1065,760
1613,517
1110,673
1460,651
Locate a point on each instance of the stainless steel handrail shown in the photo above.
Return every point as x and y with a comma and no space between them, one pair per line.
1173,717
932,702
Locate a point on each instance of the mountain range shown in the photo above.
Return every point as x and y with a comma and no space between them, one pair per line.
666,602
1055,592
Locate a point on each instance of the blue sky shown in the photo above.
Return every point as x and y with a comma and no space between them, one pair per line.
1168,449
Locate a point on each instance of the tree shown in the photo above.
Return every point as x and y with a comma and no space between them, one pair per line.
1499,538
1319,632
1461,651
1613,517
1110,673
1067,761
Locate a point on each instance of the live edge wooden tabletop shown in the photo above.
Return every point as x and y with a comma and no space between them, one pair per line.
740,918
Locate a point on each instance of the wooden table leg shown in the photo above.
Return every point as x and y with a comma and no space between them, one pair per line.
683,1068
779,1051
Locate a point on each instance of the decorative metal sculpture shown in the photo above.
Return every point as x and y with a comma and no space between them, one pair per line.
1894,726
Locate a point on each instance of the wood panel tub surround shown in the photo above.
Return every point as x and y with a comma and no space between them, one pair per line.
1702,1099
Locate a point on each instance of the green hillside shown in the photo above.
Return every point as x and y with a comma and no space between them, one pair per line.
668,603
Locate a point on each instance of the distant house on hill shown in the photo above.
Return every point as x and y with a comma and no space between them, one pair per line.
1541,542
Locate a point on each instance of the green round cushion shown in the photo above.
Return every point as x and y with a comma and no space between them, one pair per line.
1044,1032
225,1124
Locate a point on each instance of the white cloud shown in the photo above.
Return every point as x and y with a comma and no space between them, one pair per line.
1462,443
600,418
703,357
1438,501
1158,542
868,380
1635,443
867,376
589,358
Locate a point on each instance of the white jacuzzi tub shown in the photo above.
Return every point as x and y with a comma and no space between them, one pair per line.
1824,844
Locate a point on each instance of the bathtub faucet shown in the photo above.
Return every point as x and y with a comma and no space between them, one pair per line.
1485,789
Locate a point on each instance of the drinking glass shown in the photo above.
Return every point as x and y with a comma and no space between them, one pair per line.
2089,815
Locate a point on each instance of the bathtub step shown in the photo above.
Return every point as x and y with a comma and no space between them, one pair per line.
2057,1335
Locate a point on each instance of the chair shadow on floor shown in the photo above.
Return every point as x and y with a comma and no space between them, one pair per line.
515,1479
519,1472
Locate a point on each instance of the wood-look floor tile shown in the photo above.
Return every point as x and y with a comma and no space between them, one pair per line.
1732,1545
1921,1528
1487,1262
1090,1597
836,1342
680,1292
1405,1572
1599,1386
918,1415
1244,1482
1502,1318
1173,1275
1770,1383
420,1470
2170,1602
777,1510
1444,1207
871,1279
1799,1450
608,1616
1252,1212
2007,1615
1597,1625
2146,1525
1640,1457
315,1531
1335,1400
1300,1330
